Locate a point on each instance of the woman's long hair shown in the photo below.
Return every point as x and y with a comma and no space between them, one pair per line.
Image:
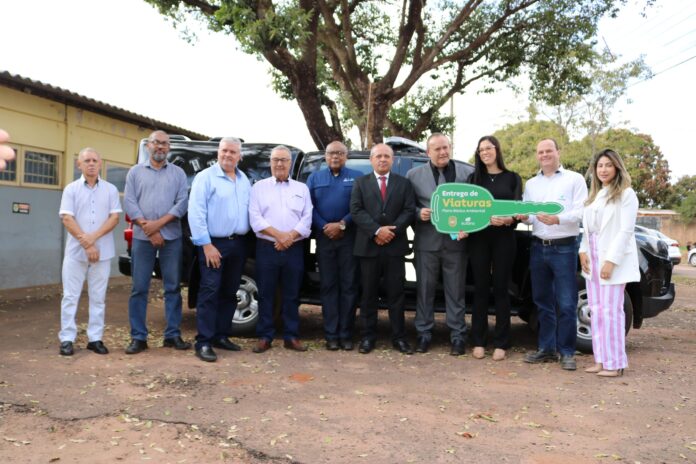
620,182
479,167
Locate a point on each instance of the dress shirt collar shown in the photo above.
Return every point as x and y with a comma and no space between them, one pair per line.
84,181
220,173
276,181
382,175
560,170
148,163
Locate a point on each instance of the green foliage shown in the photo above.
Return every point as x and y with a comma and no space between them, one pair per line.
590,113
518,142
687,208
367,61
681,189
405,116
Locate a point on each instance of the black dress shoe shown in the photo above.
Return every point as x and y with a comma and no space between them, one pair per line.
206,353
66,349
458,348
402,346
422,345
136,346
366,346
332,345
226,344
541,357
98,347
347,345
177,343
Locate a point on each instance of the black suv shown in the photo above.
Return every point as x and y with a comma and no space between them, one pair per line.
647,298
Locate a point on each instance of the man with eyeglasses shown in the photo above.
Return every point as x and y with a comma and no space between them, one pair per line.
280,213
219,221
334,231
155,200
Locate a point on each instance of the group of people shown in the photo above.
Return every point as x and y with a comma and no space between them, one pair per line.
360,225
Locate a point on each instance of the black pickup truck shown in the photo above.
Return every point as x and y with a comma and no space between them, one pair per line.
647,298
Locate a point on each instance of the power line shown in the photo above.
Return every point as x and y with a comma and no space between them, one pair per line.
662,71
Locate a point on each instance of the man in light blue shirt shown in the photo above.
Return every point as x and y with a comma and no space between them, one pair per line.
155,201
219,220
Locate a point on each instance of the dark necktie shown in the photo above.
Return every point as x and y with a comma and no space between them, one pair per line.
383,187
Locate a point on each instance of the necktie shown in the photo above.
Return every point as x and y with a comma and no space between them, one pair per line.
383,187
441,178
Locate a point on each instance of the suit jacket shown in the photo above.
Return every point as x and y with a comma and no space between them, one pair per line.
369,213
616,241
423,182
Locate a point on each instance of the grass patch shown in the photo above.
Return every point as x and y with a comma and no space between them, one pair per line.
684,280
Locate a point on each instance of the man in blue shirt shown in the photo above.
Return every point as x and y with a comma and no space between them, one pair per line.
219,220
155,201
334,231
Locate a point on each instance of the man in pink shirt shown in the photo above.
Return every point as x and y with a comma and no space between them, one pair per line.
280,213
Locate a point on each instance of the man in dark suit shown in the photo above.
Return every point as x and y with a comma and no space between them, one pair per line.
436,253
382,207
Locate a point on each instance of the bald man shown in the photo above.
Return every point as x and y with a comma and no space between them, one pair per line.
89,210
382,206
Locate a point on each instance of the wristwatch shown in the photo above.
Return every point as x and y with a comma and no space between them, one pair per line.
342,225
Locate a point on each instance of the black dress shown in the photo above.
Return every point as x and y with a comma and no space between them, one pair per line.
492,254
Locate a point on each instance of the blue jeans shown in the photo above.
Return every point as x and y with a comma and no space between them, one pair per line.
338,273
142,264
217,295
555,294
282,269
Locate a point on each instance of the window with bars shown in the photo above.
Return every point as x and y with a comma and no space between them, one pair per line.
10,172
40,168
33,167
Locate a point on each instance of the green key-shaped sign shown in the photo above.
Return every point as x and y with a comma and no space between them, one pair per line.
469,208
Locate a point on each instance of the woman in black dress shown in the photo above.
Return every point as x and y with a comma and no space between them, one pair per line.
492,250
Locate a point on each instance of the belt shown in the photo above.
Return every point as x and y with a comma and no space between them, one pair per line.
555,241
229,237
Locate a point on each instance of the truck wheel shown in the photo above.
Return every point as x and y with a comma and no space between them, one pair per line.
584,336
247,313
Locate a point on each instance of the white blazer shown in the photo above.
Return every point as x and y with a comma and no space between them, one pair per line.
616,240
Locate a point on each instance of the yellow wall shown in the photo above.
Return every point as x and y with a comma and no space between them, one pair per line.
42,123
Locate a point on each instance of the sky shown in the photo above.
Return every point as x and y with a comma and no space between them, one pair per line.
126,54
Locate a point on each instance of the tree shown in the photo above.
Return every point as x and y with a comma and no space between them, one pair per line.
358,60
590,113
681,189
518,142
687,208
644,161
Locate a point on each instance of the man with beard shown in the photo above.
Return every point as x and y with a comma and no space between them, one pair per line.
155,200
219,220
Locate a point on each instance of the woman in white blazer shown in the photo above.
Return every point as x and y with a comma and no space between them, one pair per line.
609,259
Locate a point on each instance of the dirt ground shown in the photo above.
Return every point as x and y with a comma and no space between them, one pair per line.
166,406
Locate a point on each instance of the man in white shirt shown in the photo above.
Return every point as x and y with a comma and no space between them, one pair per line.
554,255
89,210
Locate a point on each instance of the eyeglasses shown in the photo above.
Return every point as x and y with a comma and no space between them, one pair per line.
280,160
336,154
489,148
159,143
